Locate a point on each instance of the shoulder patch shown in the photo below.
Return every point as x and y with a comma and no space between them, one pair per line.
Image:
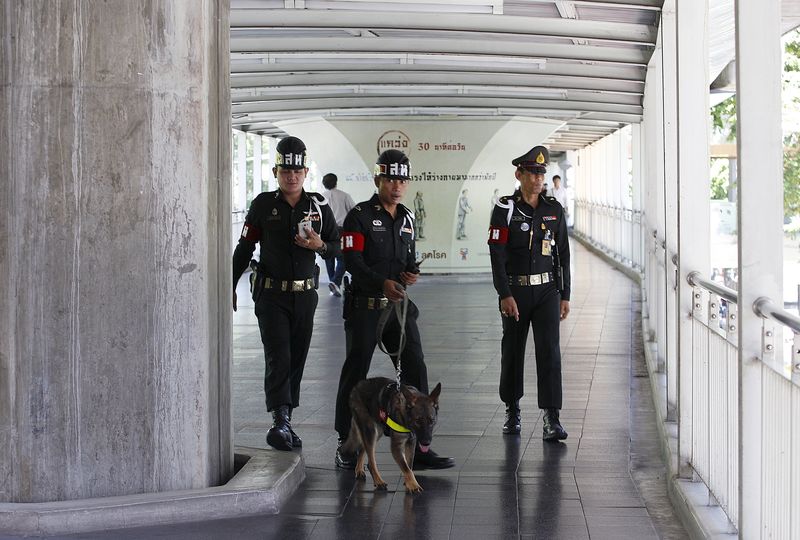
319,197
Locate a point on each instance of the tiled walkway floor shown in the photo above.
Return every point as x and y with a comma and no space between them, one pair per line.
606,481
502,486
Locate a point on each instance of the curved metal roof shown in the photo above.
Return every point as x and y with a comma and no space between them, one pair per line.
582,62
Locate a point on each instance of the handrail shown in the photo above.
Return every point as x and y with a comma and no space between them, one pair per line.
766,308
696,279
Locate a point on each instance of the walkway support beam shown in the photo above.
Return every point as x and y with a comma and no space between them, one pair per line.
693,199
760,213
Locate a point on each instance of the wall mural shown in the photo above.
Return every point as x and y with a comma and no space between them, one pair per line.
459,169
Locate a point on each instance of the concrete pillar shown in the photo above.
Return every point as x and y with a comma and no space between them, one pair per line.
114,247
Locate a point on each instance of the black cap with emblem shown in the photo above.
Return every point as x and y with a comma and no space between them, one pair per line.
290,153
393,164
535,160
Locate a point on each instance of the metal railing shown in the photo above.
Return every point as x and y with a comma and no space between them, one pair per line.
715,401
715,397
715,454
615,230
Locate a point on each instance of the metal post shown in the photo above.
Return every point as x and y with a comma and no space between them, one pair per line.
760,212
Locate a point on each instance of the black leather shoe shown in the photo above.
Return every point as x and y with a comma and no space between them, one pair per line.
343,459
279,435
513,421
431,460
551,426
297,442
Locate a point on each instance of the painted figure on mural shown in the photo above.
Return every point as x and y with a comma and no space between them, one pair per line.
419,213
495,197
463,209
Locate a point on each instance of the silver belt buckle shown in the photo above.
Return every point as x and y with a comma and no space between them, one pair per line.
298,286
383,302
536,280
545,278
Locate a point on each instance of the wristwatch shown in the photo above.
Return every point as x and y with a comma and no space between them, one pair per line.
323,249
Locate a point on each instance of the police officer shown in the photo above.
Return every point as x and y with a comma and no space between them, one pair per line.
292,227
378,248
529,251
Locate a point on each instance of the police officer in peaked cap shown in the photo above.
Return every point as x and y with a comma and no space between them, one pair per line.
292,226
529,251
378,246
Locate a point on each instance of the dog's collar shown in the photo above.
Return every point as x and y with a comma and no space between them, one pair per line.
391,423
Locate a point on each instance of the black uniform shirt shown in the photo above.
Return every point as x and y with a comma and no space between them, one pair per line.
272,222
377,247
515,240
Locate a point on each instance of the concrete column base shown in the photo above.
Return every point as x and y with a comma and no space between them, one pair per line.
265,482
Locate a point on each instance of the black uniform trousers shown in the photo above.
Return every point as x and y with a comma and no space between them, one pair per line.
286,320
539,308
360,327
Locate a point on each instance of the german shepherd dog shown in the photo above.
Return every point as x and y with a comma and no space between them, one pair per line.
407,414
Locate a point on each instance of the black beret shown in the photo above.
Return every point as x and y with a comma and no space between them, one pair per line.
535,160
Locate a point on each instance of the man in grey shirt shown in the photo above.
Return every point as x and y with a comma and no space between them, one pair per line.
341,203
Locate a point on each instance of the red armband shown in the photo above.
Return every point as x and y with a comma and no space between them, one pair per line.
352,241
498,235
251,233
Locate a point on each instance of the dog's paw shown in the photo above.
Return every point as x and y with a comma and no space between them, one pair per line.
413,487
380,486
361,475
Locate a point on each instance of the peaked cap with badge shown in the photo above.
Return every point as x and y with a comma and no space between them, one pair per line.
535,160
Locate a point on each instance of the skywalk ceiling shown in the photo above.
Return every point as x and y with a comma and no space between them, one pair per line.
583,62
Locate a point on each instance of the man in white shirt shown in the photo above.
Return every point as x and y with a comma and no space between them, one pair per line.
560,193
341,203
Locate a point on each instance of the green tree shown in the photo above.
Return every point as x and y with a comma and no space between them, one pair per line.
723,118
719,179
791,175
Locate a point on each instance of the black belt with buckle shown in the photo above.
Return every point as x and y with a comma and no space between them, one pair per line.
530,280
298,285
370,302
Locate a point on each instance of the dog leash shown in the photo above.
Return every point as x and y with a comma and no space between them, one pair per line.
400,310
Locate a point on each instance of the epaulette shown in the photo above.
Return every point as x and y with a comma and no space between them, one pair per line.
505,201
319,197
408,211
550,200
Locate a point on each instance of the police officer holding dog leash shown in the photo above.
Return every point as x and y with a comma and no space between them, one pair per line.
378,245
529,250
292,226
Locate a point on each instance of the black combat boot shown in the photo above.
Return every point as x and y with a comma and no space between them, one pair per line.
430,460
343,459
513,420
551,427
279,435
297,442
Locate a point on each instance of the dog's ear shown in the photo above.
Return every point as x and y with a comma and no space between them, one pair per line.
435,394
409,395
